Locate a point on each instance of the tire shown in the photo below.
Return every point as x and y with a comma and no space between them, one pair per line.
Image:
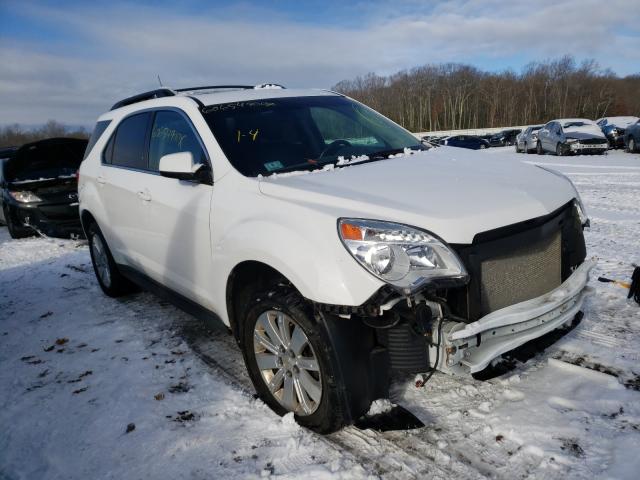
539,150
16,231
631,146
559,151
518,149
317,395
111,281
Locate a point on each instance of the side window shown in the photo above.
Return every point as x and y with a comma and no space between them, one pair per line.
97,133
130,140
107,153
171,133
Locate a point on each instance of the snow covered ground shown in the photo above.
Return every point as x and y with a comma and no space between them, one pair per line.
92,387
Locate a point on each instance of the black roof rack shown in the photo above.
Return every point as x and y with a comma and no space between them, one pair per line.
159,93
167,92
216,87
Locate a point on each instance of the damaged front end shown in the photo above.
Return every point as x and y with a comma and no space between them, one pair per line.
521,282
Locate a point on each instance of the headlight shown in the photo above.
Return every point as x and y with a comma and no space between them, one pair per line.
572,140
582,211
402,256
25,197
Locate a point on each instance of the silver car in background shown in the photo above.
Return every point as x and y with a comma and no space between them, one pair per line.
527,139
571,136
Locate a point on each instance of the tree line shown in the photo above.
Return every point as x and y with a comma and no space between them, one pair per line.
455,96
16,135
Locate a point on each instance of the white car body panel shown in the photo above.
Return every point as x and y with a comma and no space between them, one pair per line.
448,191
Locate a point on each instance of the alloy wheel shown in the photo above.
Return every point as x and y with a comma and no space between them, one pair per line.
287,363
101,260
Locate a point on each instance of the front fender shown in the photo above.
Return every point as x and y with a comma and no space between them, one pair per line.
310,256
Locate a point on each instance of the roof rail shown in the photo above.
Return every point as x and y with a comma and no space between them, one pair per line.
159,93
216,87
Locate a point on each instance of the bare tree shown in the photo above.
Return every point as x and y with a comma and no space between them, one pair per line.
454,96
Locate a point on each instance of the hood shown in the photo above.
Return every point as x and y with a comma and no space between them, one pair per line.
45,160
584,132
451,192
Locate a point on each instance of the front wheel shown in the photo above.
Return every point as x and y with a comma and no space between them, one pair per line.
559,150
631,148
539,150
291,363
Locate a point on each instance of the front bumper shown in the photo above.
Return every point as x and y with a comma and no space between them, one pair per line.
616,141
578,148
56,220
469,348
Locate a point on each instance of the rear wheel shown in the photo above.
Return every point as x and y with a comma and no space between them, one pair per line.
15,230
111,281
291,362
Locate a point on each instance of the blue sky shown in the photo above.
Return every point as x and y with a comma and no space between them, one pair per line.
70,60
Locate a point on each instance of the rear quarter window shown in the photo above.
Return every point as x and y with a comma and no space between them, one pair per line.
97,133
129,143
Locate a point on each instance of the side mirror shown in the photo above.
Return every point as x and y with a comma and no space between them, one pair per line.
181,166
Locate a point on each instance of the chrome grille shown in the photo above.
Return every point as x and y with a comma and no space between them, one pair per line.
524,273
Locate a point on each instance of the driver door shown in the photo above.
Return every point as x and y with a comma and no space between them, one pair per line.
177,252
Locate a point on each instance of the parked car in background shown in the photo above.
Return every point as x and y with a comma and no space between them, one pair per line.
632,138
571,136
465,141
614,129
38,188
7,152
334,247
504,138
431,140
527,140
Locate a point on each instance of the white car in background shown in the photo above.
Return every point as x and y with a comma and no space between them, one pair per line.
527,140
571,136
335,248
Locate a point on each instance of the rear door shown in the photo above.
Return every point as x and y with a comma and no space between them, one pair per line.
124,175
177,249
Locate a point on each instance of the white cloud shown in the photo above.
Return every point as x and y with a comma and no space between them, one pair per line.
119,52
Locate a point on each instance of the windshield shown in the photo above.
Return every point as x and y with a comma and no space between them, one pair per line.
261,137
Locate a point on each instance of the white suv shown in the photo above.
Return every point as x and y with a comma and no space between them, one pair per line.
335,248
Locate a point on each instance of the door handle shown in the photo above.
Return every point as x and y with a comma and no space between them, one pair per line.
144,196
101,180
